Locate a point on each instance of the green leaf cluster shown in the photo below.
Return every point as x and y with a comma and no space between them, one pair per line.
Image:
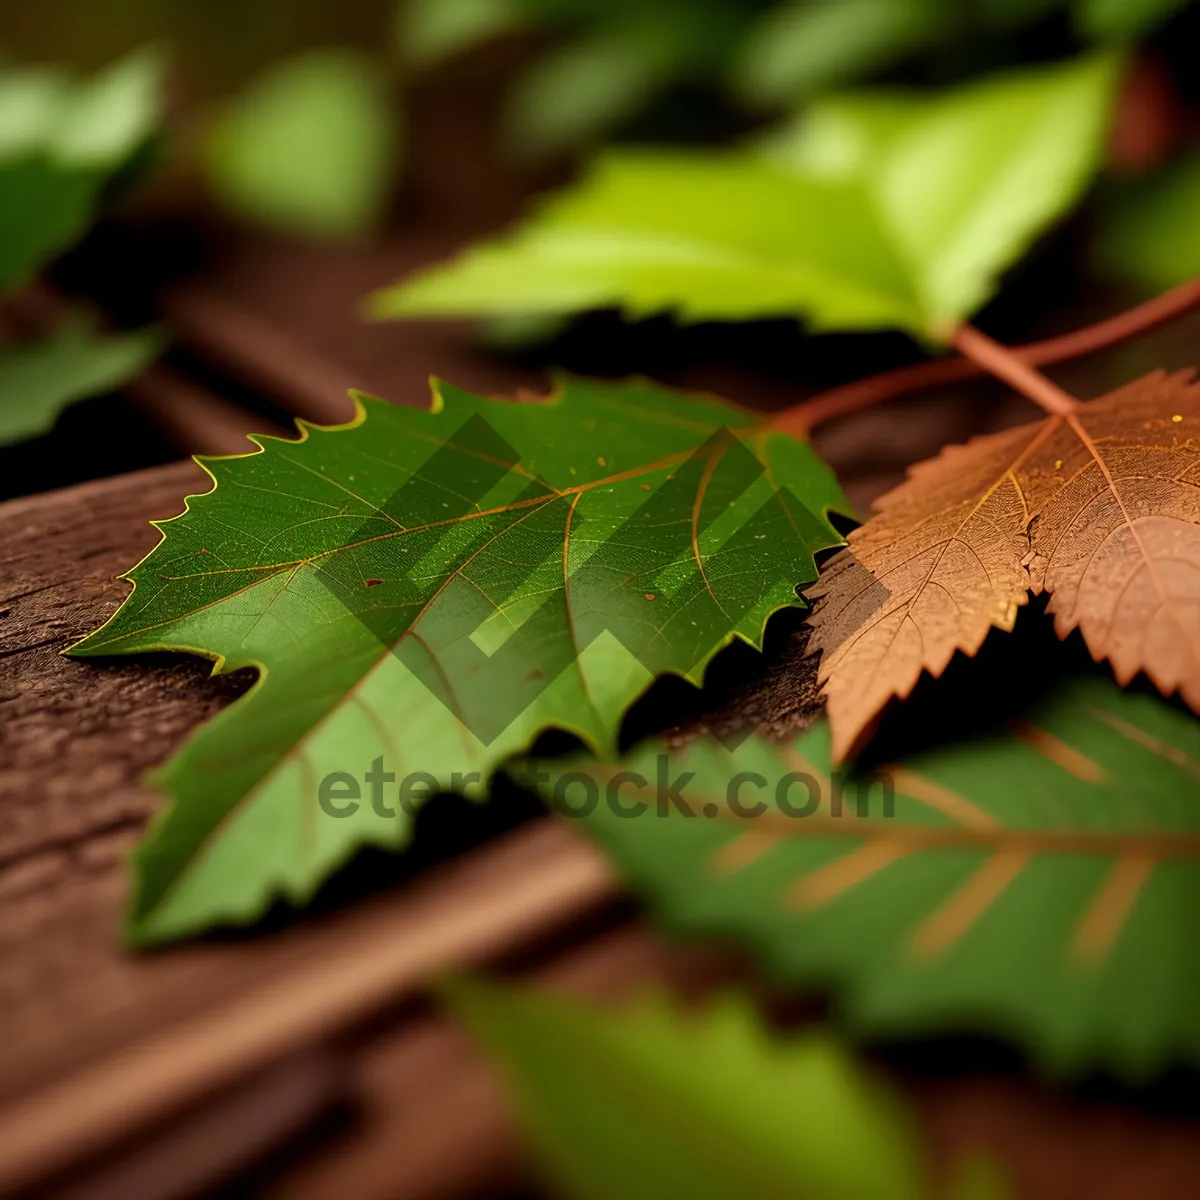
801,49
61,140
876,211
616,60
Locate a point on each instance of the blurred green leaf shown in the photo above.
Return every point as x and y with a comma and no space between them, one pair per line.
613,65
428,31
708,236
1017,883
935,199
651,1102
1149,231
802,48
1122,18
103,120
39,379
844,136
966,179
309,146
612,58
30,101
574,94
59,143
42,211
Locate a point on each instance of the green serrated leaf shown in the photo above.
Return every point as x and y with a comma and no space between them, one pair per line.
59,142
651,1102
915,236
39,379
1038,882
432,589
1149,233
309,147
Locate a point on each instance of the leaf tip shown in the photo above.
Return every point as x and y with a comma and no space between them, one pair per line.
384,304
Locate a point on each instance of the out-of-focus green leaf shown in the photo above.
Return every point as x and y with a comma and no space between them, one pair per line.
650,1102
842,137
30,101
103,120
59,142
42,211
967,179
939,196
802,48
1150,229
1015,883
428,31
39,379
1122,18
706,236
612,66
581,90
309,146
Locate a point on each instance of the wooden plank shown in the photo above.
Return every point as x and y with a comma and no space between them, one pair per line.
338,973
433,1119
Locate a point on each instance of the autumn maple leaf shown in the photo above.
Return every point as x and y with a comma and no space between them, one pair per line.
1099,507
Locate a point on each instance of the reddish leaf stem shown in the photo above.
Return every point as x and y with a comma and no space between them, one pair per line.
1004,364
864,393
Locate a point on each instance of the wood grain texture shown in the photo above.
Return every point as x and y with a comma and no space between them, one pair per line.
74,743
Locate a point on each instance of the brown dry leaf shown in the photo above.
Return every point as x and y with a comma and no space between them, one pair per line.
1100,508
